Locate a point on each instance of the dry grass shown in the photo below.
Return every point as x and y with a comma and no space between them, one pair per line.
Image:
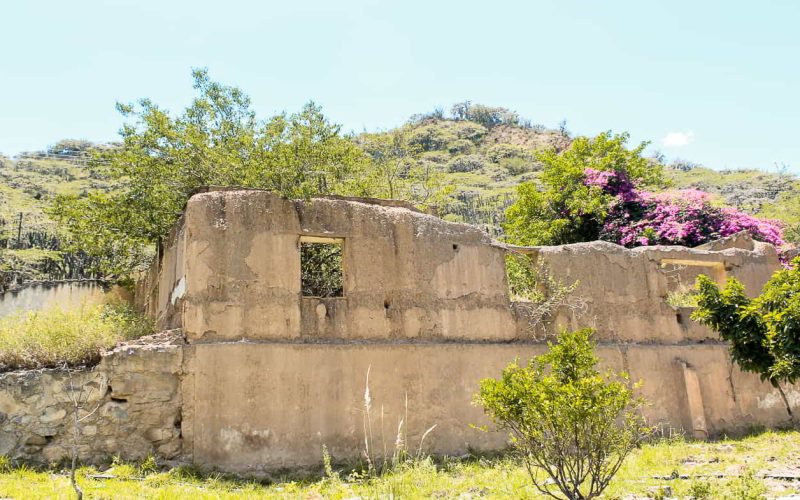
53,337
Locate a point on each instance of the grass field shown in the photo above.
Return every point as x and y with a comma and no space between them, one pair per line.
760,466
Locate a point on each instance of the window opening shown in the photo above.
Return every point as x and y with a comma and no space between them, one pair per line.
321,271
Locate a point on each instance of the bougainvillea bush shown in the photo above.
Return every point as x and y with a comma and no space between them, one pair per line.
686,217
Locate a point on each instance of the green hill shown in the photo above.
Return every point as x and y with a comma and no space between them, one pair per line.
482,152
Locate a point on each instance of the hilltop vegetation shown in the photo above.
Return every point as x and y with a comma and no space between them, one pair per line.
31,242
114,202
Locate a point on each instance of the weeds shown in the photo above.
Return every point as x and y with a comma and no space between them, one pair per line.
52,337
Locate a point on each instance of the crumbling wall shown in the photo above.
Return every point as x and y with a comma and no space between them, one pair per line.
625,290
42,295
406,274
269,376
130,406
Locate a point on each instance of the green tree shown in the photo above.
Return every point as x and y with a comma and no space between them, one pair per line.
396,172
567,420
565,210
218,141
764,332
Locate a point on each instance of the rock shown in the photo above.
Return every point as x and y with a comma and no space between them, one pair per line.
36,440
52,415
8,441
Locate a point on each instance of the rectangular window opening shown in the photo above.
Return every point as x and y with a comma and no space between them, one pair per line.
321,272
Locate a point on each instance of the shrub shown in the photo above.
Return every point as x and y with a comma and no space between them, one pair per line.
566,209
467,163
566,419
460,146
53,337
517,166
746,487
686,217
497,152
764,332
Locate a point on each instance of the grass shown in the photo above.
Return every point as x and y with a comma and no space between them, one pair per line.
51,337
684,297
740,463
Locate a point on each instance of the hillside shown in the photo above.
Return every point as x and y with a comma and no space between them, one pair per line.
30,242
482,152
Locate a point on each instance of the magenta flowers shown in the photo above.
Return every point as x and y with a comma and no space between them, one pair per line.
687,217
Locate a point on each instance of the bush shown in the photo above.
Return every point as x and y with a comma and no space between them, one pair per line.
460,146
517,166
497,152
686,217
566,419
52,337
764,332
565,209
467,163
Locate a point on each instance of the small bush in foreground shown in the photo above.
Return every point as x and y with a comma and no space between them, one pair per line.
52,337
566,419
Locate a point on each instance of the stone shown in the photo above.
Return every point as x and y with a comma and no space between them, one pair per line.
8,441
53,415
36,440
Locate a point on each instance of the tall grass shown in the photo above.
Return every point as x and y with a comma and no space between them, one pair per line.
53,337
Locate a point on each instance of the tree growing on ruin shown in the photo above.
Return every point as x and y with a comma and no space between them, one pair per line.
216,141
571,425
764,332
563,208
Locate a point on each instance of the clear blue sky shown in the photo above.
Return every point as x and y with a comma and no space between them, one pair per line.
719,81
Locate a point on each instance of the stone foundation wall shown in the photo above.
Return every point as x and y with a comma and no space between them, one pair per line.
130,405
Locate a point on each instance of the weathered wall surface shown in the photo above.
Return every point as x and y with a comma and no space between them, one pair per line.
66,294
262,406
130,406
625,290
269,376
231,270
406,274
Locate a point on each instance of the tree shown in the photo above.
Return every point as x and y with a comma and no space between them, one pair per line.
395,171
218,141
566,209
566,419
763,332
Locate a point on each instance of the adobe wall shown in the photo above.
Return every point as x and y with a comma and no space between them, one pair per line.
266,376
234,272
37,296
624,291
265,406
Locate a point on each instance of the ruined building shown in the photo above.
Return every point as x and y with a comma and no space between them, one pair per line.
264,362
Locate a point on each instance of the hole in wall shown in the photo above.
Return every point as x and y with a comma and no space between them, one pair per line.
119,400
386,304
321,273
455,247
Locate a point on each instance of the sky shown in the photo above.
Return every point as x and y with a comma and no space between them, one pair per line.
714,82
